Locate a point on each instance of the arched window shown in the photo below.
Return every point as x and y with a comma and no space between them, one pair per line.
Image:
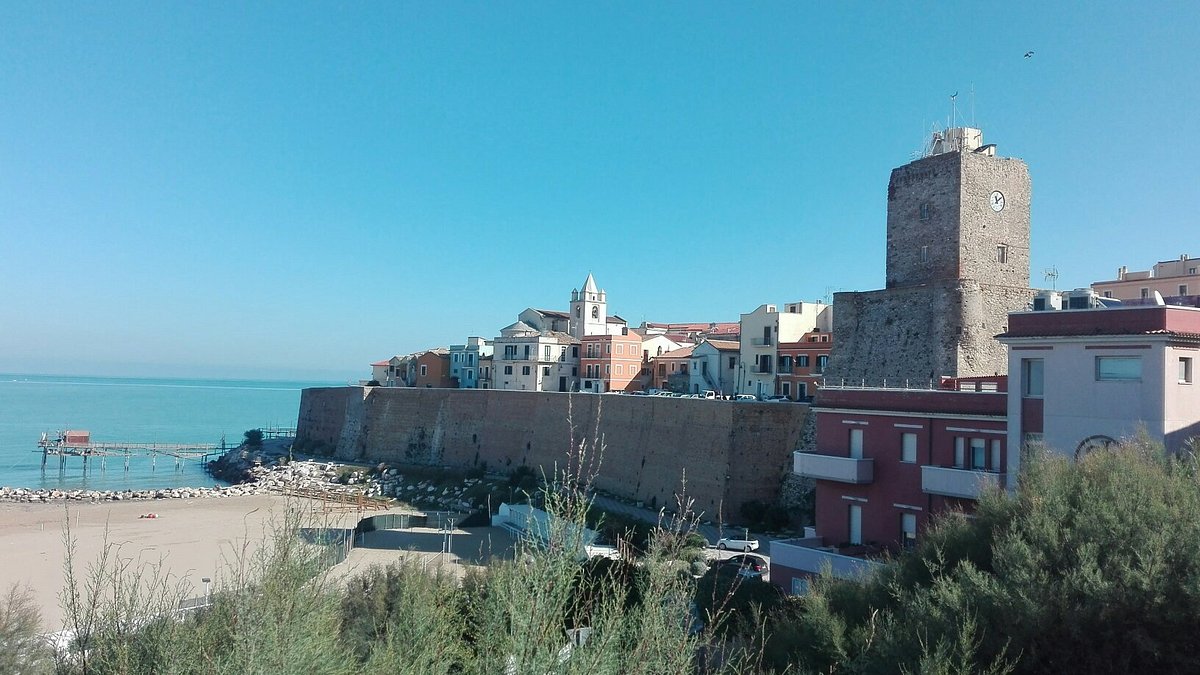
595,312
578,312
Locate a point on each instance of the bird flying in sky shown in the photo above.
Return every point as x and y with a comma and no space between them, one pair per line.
1029,55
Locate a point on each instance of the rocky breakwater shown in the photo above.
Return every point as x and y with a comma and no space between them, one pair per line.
301,477
283,478
26,495
268,469
310,476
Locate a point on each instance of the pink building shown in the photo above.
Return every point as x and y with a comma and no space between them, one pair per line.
610,362
1170,278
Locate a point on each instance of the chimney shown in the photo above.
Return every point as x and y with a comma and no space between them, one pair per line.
1121,272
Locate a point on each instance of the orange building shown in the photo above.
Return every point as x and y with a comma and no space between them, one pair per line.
610,362
433,369
802,365
672,364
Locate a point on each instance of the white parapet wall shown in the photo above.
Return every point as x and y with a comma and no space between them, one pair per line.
539,526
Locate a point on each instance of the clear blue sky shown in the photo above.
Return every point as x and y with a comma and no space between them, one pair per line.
289,189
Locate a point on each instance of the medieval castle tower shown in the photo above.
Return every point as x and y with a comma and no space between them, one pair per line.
957,264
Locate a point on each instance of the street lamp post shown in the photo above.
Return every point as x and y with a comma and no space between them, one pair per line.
207,590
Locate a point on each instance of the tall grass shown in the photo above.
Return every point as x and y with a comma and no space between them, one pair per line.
22,652
277,608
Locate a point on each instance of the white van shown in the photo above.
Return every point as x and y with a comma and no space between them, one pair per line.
709,394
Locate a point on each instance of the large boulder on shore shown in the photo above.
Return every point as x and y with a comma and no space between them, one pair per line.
234,466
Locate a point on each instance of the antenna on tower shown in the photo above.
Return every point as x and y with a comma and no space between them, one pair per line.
973,106
1052,277
953,110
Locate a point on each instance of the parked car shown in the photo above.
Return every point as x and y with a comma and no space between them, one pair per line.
709,394
745,397
777,399
738,544
747,565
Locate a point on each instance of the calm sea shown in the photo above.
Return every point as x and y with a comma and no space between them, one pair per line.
135,410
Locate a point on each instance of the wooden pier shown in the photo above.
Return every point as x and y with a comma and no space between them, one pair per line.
78,444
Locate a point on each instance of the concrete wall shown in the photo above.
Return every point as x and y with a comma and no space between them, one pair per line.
729,452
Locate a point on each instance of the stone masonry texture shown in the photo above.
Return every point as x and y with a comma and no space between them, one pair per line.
948,292
728,453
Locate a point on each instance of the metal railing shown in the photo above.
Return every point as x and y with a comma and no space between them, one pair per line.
915,385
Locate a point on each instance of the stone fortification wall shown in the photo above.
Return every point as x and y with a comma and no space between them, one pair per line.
921,333
941,227
729,453
984,315
983,229
896,334
923,212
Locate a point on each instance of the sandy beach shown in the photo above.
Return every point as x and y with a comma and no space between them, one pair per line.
195,538
192,538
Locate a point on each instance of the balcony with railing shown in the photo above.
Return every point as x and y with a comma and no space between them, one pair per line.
857,471
949,481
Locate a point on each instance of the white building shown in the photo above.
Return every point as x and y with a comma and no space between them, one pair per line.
465,362
527,359
714,367
385,372
763,330
657,345
589,312
1080,379
546,320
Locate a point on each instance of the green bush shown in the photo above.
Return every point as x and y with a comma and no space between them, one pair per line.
1092,566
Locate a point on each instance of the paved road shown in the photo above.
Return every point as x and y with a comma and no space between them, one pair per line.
710,532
